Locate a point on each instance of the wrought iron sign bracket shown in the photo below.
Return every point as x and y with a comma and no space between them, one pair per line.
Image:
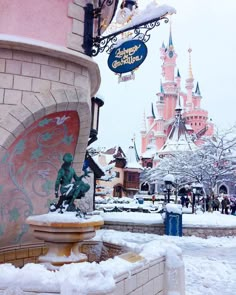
98,44
140,32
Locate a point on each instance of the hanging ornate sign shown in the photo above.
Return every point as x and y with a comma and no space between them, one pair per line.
127,57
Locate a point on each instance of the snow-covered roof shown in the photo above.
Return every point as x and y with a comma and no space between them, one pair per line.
150,151
178,139
131,159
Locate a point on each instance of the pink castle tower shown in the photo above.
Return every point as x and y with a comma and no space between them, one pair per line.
156,129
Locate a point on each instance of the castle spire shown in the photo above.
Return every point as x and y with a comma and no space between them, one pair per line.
161,88
178,107
178,74
190,73
135,150
170,39
153,114
197,90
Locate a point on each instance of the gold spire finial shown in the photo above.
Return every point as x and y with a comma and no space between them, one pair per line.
190,73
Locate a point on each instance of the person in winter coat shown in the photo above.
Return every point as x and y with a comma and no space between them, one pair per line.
233,206
187,201
216,204
225,205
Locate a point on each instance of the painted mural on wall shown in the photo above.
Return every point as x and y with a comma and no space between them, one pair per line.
28,171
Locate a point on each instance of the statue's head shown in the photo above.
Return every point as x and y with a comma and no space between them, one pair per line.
68,158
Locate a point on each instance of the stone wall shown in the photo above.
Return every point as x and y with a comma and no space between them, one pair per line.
146,278
45,111
159,229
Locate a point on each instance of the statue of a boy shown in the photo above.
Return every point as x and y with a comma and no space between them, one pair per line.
69,191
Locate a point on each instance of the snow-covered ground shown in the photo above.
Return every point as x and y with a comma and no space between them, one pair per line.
210,264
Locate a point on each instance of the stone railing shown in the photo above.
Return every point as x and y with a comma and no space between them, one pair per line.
159,229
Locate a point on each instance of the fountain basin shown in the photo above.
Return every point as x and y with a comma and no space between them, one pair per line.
62,233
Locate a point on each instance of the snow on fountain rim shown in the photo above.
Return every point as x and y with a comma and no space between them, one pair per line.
66,217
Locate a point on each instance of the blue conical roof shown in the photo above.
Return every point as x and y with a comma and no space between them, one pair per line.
197,91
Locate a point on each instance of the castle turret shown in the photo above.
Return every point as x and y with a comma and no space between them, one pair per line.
169,84
189,85
159,126
197,97
178,80
151,116
169,60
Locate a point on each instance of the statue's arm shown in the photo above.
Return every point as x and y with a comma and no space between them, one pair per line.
58,180
76,177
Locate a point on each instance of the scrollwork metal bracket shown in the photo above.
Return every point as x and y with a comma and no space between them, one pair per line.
140,32
98,44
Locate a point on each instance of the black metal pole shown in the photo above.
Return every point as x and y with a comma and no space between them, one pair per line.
193,204
168,195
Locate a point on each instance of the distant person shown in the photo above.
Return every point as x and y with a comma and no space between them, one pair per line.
187,201
182,200
215,204
153,199
225,205
233,206
207,202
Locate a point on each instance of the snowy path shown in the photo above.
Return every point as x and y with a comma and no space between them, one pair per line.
209,271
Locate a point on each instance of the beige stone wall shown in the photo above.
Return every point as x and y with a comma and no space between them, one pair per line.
38,81
33,85
145,279
159,229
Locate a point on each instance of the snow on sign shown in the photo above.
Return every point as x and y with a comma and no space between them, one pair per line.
127,57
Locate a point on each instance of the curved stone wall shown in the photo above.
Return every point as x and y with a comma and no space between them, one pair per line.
45,111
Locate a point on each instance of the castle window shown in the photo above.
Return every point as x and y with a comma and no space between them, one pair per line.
149,165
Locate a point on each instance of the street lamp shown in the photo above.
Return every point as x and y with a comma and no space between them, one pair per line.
169,179
164,192
97,102
197,191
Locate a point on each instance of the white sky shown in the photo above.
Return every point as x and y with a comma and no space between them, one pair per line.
205,26
210,264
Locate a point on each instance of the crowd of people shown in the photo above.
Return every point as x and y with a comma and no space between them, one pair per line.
224,204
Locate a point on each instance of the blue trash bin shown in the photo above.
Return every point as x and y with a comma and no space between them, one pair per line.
173,224
140,200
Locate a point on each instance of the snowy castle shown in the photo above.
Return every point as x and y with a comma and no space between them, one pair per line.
177,122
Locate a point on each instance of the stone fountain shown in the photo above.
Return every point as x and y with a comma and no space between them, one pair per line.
65,225
62,233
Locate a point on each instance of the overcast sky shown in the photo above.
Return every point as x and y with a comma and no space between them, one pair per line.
208,27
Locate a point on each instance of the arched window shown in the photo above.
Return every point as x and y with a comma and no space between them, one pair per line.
145,187
223,189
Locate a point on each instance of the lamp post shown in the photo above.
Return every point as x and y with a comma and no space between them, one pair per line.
169,179
164,192
97,102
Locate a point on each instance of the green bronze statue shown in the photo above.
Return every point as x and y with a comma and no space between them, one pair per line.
69,191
